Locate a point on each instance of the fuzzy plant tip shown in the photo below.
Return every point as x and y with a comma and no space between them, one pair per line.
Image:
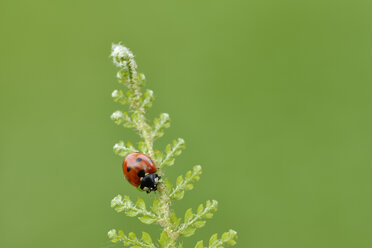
145,166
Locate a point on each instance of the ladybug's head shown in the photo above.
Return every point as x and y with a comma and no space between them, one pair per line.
150,182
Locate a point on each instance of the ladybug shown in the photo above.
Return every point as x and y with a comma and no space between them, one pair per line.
139,170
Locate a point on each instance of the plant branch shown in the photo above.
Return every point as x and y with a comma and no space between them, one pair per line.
161,212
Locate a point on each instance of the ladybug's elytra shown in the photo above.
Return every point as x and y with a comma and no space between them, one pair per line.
139,170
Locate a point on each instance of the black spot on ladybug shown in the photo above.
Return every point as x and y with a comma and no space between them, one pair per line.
139,159
128,168
141,173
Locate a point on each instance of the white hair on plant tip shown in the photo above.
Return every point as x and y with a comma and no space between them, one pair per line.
117,147
124,58
111,233
120,51
150,92
116,201
118,75
165,115
117,115
122,54
115,93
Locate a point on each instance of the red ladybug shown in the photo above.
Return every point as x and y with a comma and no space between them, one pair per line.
139,170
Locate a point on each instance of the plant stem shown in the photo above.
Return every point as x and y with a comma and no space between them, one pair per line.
165,210
145,131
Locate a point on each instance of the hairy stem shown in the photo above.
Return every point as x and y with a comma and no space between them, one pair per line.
165,211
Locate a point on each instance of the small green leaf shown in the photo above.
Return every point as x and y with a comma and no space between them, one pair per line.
168,185
170,162
121,234
164,239
155,206
188,232
200,209
231,242
158,156
142,147
131,213
188,215
115,240
213,240
179,180
228,237
127,200
199,244
225,237
189,186
141,204
208,215
197,169
188,174
148,98
199,224
146,238
168,148
119,208
147,219
118,200
214,203
128,122
179,195
174,220
164,119
136,117
118,96
131,235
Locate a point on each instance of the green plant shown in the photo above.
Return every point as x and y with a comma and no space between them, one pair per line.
160,212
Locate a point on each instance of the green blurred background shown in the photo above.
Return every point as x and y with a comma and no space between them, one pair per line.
272,97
